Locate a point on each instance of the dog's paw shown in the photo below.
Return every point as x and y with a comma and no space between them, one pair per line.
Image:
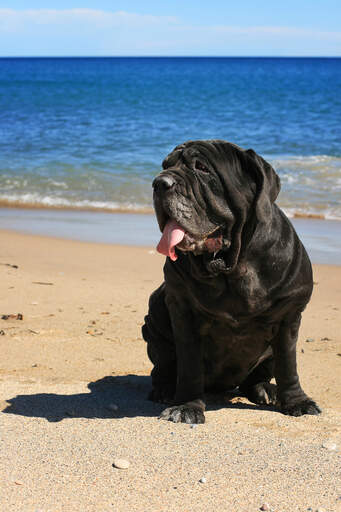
262,393
186,413
304,407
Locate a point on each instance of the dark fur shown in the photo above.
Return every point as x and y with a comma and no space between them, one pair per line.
229,311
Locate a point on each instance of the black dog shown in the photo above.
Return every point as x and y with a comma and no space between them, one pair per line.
237,279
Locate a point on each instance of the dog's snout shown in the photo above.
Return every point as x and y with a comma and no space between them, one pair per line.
163,183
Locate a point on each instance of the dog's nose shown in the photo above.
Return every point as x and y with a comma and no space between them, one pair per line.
163,183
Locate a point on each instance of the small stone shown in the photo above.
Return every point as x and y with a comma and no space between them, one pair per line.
329,445
202,480
325,339
265,506
302,350
309,340
121,464
194,425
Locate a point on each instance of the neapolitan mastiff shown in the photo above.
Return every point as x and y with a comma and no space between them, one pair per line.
237,279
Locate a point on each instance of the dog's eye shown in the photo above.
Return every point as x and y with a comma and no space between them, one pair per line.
200,167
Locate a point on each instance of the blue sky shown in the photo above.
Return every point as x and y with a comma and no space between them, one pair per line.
170,27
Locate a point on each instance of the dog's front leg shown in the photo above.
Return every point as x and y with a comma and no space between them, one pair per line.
291,397
189,405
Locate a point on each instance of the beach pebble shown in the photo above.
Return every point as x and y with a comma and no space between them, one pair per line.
329,445
121,464
202,480
265,506
309,340
194,425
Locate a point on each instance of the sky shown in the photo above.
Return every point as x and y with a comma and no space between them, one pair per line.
170,28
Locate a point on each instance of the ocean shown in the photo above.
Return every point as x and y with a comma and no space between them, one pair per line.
91,133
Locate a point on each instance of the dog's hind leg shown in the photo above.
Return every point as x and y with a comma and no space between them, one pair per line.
256,387
157,332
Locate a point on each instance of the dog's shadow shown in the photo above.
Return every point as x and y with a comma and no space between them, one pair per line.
111,397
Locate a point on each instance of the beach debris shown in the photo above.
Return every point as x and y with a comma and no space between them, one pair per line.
9,265
320,509
34,365
325,339
329,445
41,282
121,464
265,506
18,316
92,333
33,332
203,480
302,350
194,425
2,332
105,313
309,340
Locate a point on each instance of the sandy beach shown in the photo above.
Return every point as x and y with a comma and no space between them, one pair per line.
74,377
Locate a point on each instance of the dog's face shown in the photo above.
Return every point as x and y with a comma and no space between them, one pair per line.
205,196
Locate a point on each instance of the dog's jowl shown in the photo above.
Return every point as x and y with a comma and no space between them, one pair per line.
237,279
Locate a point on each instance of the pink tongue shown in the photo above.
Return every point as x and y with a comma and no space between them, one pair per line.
171,236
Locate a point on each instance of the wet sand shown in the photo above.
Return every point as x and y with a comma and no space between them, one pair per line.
321,237
77,353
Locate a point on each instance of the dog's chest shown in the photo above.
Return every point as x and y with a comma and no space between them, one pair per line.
230,298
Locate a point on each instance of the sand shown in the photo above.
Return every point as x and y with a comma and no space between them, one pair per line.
74,380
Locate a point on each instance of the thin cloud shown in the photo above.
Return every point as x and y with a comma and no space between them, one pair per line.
12,20
98,32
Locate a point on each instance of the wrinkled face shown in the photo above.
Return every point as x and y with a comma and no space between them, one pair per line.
190,204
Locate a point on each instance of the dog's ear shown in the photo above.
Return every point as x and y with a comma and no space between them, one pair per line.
267,181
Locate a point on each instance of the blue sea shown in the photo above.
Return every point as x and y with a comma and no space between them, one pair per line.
91,133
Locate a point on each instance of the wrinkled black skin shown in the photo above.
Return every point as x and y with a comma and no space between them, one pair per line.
227,320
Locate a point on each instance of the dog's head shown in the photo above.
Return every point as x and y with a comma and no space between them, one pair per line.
209,197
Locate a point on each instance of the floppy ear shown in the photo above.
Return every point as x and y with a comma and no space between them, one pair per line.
267,181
